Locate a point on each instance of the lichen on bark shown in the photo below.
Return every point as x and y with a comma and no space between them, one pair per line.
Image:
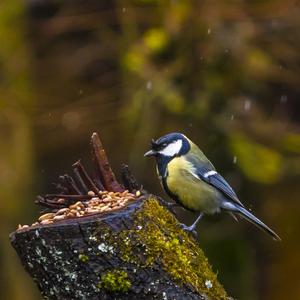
156,238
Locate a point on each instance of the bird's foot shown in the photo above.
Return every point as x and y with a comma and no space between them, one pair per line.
191,229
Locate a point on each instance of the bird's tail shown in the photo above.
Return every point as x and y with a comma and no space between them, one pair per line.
252,219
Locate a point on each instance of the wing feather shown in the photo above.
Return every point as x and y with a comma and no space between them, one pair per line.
221,184
204,170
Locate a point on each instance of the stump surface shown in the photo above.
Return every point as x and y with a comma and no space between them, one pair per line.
138,252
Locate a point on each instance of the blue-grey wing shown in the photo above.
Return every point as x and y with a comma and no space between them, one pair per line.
205,171
216,180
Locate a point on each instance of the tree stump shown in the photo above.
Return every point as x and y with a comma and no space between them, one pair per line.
137,251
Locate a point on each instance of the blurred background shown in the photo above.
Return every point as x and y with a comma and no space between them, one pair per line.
225,73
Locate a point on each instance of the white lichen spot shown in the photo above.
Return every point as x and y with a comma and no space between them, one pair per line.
105,248
38,251
164,294
208,284
82,296
71,275
139,227
104,236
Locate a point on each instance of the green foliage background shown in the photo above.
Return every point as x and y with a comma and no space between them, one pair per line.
225,73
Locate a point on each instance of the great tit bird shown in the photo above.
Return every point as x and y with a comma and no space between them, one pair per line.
190,179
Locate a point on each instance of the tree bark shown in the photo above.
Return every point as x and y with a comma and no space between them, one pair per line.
136,252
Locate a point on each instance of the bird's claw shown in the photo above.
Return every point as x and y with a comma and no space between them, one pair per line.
191,229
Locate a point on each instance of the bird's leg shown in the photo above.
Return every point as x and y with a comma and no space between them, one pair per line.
193,226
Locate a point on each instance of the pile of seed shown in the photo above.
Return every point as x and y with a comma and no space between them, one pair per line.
105,201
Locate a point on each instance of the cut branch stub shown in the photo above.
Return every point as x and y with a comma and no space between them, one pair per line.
103,169
82,186
128,179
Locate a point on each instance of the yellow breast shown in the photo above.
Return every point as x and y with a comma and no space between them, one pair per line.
191,191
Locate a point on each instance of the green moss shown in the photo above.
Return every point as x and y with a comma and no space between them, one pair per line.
156,238
157,234
83,257
115,281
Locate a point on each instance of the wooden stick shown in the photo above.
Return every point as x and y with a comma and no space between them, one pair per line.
75,197
69,182
128,179
85,177
103,169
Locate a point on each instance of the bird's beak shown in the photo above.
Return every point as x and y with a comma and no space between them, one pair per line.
150,153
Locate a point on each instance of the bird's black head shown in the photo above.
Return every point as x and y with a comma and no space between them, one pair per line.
169,145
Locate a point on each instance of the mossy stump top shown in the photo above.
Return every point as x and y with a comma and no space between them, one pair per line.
138,252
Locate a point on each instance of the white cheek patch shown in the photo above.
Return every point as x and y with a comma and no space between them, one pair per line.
172,149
